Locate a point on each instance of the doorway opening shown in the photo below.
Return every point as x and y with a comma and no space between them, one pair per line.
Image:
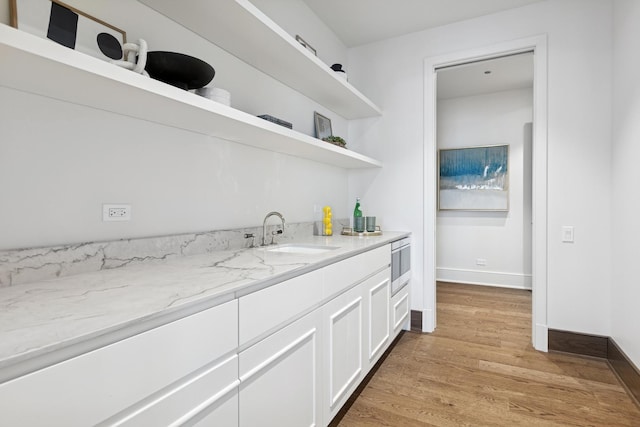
536,249
484,116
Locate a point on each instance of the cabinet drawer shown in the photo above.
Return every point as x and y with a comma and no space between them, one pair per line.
214,390
400,311
92,387
264,310
342,275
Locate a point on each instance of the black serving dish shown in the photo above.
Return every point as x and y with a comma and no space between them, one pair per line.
178,69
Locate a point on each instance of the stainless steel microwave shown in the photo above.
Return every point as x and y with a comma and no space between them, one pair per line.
400,264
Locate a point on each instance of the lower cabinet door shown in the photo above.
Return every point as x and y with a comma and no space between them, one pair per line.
377,294
400,311
342,320
279,377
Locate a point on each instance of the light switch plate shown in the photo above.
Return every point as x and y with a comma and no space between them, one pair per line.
567,234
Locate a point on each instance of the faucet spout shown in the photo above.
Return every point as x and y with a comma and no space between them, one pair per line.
264,226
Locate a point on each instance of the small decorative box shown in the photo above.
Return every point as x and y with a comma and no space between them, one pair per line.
276,121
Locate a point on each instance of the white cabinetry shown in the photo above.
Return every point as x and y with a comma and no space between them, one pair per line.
280,377
269,308
400,311
288,355
208,398
342,356
302,374
355,323
343,274
87,389
356,327
377,294
224,412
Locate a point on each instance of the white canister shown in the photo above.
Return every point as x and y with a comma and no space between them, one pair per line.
225,101
343,76
215,94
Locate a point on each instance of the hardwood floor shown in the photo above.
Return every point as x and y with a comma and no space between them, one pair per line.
479,369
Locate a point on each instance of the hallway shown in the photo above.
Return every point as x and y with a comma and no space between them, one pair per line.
479,369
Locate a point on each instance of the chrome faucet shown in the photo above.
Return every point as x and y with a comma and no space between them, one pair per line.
264,227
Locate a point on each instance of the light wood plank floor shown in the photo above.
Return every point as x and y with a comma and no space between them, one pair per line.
479,369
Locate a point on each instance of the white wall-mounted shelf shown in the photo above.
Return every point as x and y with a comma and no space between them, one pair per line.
241,29
40,66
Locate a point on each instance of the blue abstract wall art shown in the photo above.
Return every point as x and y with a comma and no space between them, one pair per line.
474,179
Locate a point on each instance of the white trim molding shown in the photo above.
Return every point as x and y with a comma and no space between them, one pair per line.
539,279
428,320
483,277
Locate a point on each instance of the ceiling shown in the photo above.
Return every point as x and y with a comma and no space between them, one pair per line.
358,22
495,75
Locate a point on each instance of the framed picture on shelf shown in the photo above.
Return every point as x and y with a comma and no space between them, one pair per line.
323,125
306,45
68,26
474,178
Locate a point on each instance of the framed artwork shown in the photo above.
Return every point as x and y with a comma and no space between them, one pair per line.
474,179
323,125
306,45
69,27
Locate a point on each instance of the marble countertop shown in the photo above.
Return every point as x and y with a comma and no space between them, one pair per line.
40,319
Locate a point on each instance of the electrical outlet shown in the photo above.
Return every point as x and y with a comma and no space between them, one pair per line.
116,212
481,261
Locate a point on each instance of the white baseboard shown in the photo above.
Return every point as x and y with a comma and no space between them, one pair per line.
428,321
541,340
482,277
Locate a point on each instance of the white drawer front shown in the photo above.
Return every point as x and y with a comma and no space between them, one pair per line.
342,275
92,387
262,311
400,311
214,390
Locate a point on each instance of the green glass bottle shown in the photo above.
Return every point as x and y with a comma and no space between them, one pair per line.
358,220
357,212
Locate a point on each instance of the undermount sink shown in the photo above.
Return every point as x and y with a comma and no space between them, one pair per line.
302,249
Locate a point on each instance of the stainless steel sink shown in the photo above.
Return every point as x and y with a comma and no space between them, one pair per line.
302,249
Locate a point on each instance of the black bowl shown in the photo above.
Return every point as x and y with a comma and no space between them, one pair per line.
180,70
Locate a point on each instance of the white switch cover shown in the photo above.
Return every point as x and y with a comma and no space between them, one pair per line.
567,234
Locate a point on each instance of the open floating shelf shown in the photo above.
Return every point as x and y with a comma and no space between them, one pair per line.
40,66
241,29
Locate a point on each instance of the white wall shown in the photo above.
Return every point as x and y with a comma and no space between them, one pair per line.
59,162
579,124
626,176
4,11
503,239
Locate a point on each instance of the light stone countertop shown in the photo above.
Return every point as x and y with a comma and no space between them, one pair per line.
45,322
